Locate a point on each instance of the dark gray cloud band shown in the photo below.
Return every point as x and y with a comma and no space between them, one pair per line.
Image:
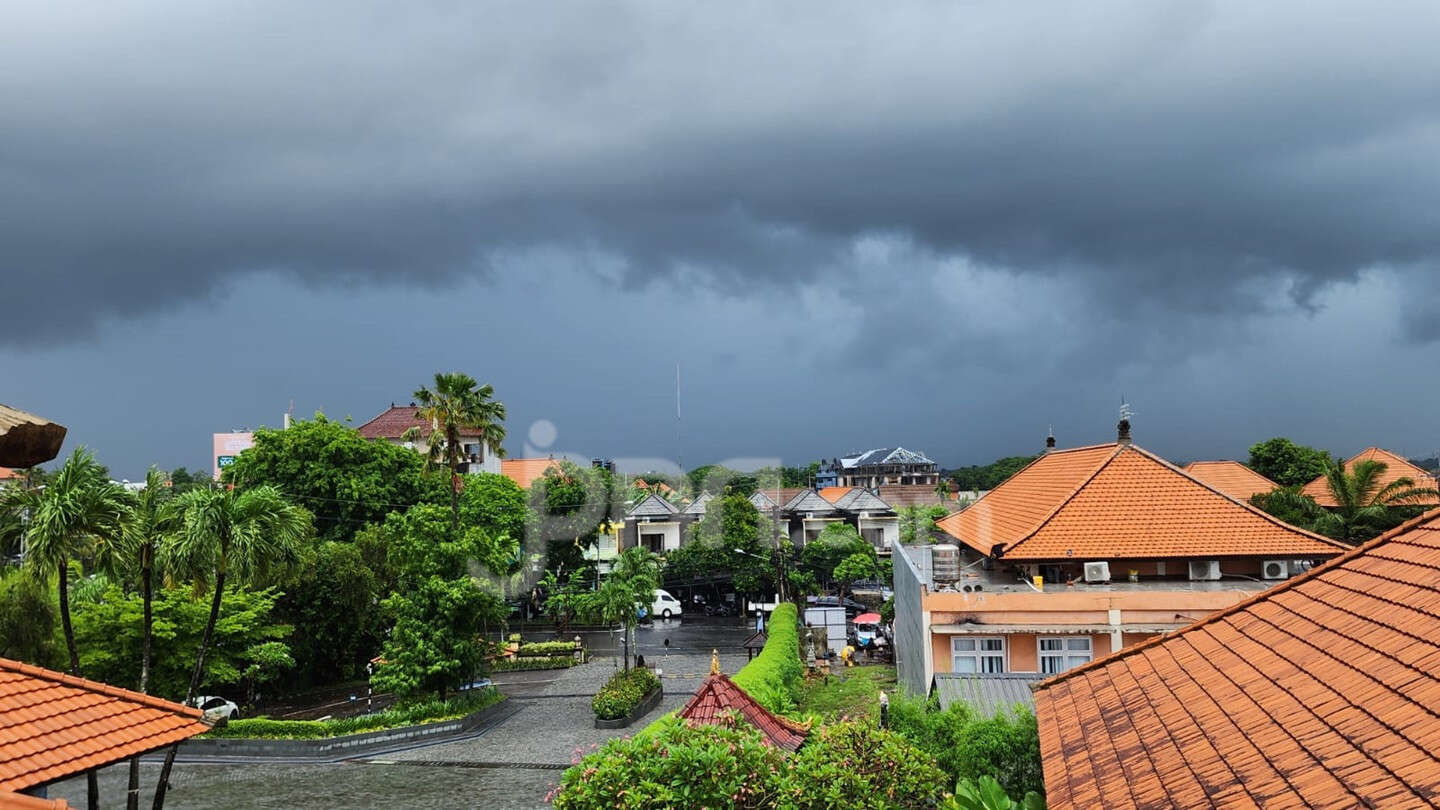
1178,156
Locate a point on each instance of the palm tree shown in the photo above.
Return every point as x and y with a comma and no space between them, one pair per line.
631,584
221,535
148,520
1363,504
458,404
77,516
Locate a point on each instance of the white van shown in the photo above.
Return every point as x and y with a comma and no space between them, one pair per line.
666,606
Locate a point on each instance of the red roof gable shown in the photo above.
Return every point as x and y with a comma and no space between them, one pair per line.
718,701
54,725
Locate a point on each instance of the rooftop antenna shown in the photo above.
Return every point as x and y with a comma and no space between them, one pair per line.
1123,429
679,449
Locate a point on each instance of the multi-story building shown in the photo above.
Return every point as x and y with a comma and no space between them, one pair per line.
876,468
801,514
394,424
1082,553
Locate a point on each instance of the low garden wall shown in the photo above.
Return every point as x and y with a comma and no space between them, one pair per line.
348,745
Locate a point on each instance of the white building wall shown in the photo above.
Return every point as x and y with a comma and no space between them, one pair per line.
670,530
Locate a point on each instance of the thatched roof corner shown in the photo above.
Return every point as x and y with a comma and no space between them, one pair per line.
27,439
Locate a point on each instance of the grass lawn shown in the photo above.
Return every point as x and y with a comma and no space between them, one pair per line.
853,692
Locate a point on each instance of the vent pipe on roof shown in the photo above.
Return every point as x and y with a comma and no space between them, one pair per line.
1123,431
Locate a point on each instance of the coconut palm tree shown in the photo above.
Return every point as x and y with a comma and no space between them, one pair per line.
1364,503
147,521
630,585
78,516
224,535
458,405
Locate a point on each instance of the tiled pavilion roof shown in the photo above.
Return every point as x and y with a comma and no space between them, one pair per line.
718,700
54,725
1323,691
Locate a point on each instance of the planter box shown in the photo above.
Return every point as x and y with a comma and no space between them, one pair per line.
348,745
646,705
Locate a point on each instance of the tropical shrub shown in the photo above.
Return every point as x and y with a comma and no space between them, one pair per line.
523,664
676,766
859,765
774,676
623,692
967,745
546,648
987,794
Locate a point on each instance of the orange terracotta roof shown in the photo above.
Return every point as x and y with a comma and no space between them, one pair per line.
718,702
833,494
1232,478
659,486
392,423
524,471
1395,467
898,495
18,801
1119,501
54,725
1323,691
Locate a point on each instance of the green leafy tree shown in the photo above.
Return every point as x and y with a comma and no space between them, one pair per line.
458,405
859,765
28,619
183,480
836,542
249,537
265,662
336,598
968,745
917,523
343,479
1287,463
744,543
568,504
861,565
110,636
987,476
439,610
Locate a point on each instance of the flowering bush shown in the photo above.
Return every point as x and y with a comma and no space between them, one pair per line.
623,692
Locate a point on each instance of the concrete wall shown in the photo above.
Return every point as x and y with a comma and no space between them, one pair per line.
890,526
670,531
1022,650
912,623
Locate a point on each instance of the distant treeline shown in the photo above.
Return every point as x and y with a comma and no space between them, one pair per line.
986,476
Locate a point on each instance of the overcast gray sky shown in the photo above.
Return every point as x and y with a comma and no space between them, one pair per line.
945,225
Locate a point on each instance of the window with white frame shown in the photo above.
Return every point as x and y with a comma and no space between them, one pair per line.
1058,654
978,655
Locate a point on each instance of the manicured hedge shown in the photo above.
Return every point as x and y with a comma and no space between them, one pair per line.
413,714
774,676
546,648
543,662
623,692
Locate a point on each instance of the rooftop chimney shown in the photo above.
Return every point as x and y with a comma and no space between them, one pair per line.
1050,441
1124,431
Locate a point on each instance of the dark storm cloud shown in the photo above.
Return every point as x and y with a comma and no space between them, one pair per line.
1169,155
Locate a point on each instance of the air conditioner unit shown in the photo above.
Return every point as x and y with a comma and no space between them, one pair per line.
1275,569
1202,570
1097,572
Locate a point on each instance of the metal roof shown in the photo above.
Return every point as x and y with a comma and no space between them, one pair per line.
862,500
988,695
887,455
697,506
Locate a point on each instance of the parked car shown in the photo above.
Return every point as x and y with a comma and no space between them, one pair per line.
666,606
215,708
852,608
